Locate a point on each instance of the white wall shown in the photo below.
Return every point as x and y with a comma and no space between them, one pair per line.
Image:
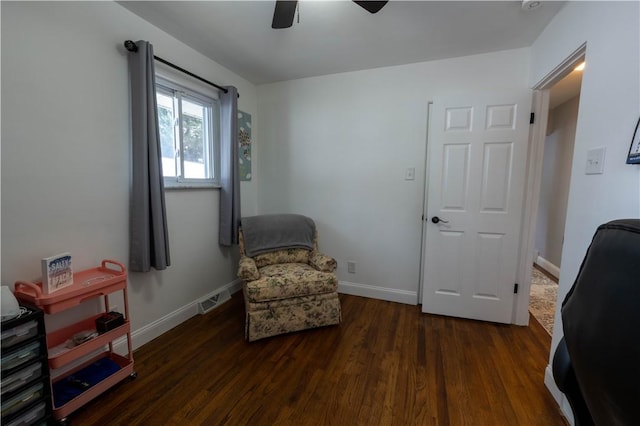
66,153
556,175
609,109
336,148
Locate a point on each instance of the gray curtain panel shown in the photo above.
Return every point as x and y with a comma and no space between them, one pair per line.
229,169
149,239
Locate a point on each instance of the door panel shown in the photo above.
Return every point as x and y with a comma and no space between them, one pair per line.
449,257
496,175
488,255
477,154
455,173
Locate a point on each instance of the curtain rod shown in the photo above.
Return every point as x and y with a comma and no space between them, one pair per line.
131,47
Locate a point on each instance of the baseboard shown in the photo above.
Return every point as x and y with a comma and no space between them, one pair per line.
548,266
147,333
550,383
381,293
562,402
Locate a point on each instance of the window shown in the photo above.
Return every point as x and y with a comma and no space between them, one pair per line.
189,136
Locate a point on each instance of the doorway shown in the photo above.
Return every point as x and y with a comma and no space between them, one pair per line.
562,119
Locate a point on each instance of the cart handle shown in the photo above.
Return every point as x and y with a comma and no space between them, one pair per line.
120,266
28,288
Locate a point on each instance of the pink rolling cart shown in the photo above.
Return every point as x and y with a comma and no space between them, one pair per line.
109,277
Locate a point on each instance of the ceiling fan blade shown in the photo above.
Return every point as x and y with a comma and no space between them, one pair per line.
371,6
283,14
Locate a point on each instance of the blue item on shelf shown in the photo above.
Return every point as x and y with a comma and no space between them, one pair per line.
72,386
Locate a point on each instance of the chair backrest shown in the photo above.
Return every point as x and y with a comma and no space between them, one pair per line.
601,322
294,255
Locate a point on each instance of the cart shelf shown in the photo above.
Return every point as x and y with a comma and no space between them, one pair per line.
126,370
59,355
86,285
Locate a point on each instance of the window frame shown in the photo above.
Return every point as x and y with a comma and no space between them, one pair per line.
179,93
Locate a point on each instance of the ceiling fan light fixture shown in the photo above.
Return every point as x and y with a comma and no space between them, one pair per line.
285,11
531,4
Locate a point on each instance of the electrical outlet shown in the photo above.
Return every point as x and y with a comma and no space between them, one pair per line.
351,267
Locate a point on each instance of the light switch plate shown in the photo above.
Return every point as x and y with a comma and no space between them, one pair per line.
595,161
410,173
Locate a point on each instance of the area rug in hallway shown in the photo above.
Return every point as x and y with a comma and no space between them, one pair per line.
542,302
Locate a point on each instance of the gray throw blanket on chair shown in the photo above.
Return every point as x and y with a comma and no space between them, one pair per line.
270,232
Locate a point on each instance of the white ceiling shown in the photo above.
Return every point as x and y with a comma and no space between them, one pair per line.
339,36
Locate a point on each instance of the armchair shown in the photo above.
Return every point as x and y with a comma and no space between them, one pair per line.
288,284
597,362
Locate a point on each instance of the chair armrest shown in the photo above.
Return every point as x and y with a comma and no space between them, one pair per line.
563,373
247,269
322,262
567,382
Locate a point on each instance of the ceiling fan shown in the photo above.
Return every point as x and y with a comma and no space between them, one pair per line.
285,11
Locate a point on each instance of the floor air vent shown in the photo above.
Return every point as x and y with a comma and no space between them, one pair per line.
212,302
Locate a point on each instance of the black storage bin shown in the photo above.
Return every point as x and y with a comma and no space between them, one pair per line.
25,392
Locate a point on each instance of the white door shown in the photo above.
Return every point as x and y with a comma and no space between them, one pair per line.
477,161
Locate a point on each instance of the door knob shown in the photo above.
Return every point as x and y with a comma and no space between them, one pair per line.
436,219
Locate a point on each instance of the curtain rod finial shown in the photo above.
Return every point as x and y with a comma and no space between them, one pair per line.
130,46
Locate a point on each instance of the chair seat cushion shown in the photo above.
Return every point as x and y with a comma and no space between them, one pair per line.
286,280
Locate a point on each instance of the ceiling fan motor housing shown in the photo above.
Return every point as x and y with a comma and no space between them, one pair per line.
285,11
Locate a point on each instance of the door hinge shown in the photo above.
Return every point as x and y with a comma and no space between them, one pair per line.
515,288
532,118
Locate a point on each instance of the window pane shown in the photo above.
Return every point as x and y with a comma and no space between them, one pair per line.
194,117
167,139
188,143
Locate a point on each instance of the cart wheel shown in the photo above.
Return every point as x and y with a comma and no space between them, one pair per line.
133,375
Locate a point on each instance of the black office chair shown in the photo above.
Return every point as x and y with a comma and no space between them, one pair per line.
597,363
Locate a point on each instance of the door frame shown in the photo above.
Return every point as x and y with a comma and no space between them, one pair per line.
425,181
533,182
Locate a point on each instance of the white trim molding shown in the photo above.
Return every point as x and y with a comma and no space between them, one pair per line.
548,266
147,333
381,293
550,383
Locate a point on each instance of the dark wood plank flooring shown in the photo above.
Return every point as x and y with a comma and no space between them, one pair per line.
387,364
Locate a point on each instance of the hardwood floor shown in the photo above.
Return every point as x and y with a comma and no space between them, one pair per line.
386,364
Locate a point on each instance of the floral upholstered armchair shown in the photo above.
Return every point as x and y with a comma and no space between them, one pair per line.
288,285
